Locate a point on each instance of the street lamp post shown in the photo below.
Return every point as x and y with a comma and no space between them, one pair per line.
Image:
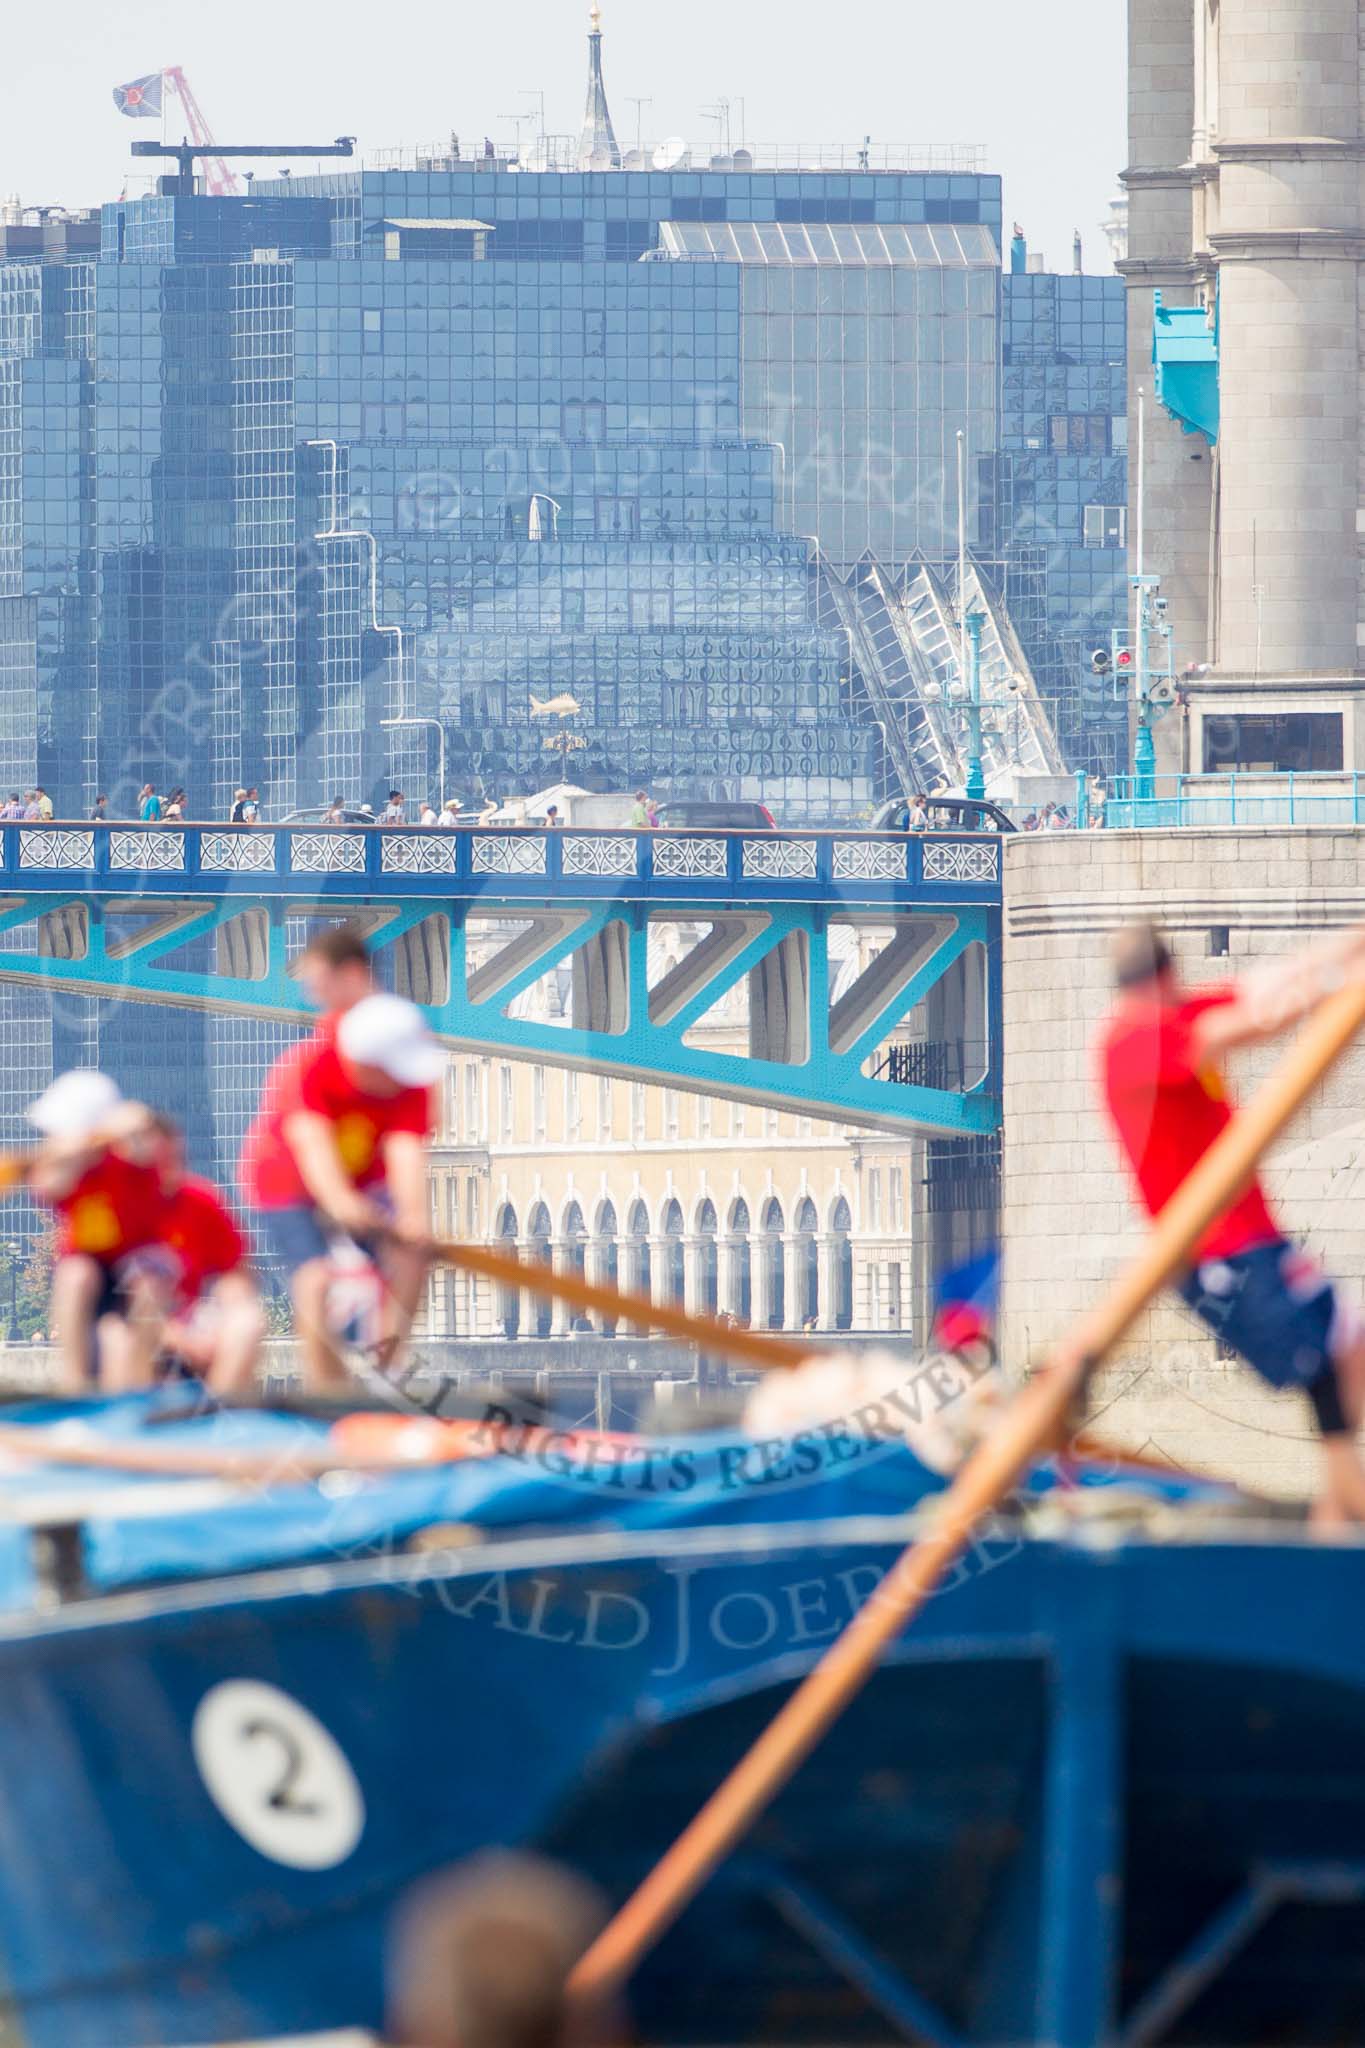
976,774
1143,586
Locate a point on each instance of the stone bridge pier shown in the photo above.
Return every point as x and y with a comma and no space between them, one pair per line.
1225,899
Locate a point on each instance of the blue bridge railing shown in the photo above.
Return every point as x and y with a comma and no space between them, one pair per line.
1247,799
506,863
474,919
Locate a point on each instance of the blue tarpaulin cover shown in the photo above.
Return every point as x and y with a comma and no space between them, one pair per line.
561,1482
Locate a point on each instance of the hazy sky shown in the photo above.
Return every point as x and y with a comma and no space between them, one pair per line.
1040,84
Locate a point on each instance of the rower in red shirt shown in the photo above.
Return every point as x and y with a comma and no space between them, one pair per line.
338,1151
1161,1062
95,1168
216,1322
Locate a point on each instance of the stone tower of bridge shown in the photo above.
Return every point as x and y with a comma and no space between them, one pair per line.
1246,195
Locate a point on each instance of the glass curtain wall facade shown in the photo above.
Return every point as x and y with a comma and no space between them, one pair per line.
286,482
1062,495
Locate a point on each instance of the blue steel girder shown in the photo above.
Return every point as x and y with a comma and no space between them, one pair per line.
771,899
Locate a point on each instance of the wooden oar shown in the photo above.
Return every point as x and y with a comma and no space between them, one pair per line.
1036,1418
752,1347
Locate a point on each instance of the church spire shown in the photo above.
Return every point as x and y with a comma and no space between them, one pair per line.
597,150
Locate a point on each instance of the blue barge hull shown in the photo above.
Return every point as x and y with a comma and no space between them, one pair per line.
1109,1790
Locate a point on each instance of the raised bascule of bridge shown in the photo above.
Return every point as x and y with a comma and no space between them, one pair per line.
468,921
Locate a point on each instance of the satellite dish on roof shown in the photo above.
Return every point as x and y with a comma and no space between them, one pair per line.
671,154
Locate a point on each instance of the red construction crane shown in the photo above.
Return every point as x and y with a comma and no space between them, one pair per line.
221,182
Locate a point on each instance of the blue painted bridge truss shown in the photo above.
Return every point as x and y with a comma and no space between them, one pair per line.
838,939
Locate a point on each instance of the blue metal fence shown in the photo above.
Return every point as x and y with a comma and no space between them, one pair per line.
1244,800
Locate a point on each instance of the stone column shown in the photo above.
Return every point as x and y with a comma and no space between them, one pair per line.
759,1287
633,1281
1288,247
658,1268
728,1270
1166,253
693,1295
792,1262
598,1269
562,1260
528,1306
827,1259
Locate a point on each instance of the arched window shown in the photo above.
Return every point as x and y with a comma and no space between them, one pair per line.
509,1298
640,1276
576,1237
808,1263
774,1277
709,1265
841,1230
741,1303
538,1231
674,1270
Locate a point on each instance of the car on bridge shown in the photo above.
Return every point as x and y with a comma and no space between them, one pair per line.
324,814
946,814
716,815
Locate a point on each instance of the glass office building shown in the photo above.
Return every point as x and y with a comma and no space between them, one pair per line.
315,489
1062,494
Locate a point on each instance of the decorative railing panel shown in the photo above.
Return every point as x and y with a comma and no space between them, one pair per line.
327,853
55,847
407,854
509,853
149,852
779,860
237,853
688,860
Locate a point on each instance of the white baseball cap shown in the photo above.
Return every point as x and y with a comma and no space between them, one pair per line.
391,1034
76,1104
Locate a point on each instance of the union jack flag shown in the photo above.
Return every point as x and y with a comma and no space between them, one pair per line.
140,99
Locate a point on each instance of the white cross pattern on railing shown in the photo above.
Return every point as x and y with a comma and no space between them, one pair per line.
51,849
867,860
507,853
597,856
237,853
432,854
780,860
687,860
147,851
327,853
961,860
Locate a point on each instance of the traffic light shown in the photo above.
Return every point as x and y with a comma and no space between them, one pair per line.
1099,661
1125,661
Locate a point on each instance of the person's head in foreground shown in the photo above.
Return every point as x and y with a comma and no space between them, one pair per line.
481,1955
386,1048
334,968
76,1107
168,1145
1142,961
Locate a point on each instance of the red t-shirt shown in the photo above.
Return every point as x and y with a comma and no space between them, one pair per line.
1168,1106
115,1208
313,1077
201,1230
